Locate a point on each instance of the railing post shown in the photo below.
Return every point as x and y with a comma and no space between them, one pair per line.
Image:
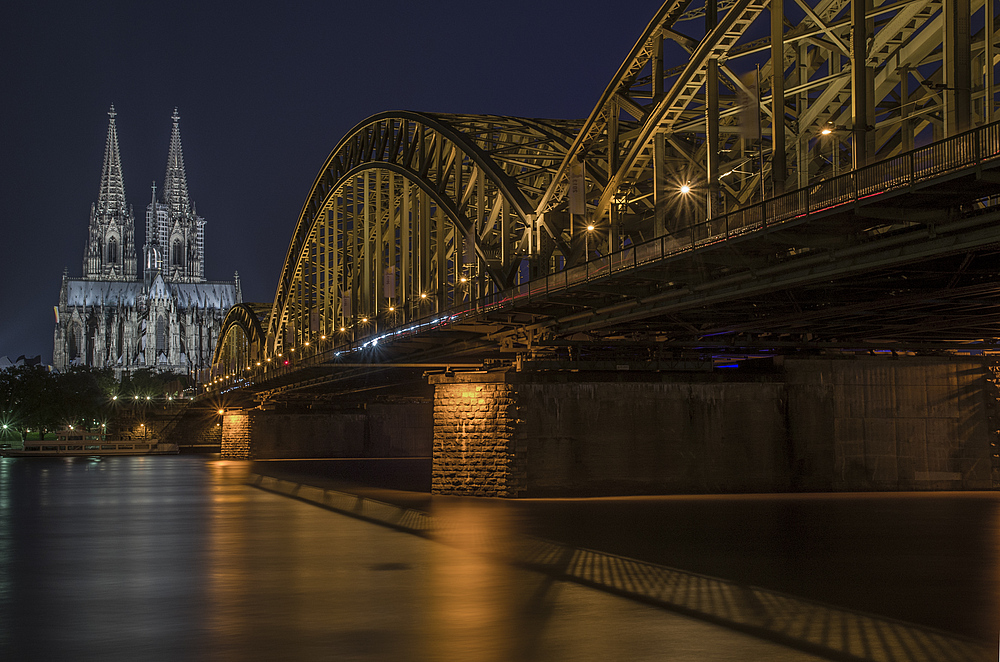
976,147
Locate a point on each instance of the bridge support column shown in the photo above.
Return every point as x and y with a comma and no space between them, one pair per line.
475,448
843,424
236,427
382,428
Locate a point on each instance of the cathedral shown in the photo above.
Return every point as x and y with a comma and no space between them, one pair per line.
167,316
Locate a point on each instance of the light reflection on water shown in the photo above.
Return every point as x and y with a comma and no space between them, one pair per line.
175,558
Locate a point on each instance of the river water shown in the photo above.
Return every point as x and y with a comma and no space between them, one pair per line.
177,558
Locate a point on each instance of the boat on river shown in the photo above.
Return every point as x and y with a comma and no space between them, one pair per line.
73,443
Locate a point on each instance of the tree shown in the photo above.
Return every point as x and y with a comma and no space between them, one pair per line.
84,395
32,398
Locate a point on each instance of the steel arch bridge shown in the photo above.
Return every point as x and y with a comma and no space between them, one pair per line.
720,105
241,339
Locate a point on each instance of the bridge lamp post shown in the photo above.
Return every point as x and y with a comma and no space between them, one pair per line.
463,286
590,230
828,131
857,134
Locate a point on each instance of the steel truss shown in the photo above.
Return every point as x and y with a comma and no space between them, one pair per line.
414,214
858,82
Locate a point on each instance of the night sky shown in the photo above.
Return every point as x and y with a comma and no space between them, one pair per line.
264,94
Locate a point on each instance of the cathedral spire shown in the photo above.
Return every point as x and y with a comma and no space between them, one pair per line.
175,191
110,252
111,199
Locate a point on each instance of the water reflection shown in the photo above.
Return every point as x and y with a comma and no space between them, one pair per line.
480,534
176,558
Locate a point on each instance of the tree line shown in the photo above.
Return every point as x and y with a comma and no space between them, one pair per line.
35,401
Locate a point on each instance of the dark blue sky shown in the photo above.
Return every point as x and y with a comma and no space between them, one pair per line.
264,93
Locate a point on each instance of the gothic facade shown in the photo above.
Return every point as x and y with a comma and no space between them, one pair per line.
166,317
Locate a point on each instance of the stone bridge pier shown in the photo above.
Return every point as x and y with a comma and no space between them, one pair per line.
804,425
840,424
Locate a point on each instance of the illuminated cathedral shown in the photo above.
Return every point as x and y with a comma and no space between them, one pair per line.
166,316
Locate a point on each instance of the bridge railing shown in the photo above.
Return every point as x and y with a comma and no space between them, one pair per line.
954,154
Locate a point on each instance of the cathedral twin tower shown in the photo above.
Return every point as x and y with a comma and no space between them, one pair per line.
168,316
175,234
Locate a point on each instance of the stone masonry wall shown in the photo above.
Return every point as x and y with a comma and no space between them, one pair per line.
608,437
236,428
848,423
474,445
884,424
373,430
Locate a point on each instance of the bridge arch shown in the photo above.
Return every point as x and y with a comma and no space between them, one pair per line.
241,339
414,213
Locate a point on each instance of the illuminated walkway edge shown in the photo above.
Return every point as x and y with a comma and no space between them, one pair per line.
813,627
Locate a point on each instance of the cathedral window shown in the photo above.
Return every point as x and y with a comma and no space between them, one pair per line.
74,342
112,251
161,335
176,254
